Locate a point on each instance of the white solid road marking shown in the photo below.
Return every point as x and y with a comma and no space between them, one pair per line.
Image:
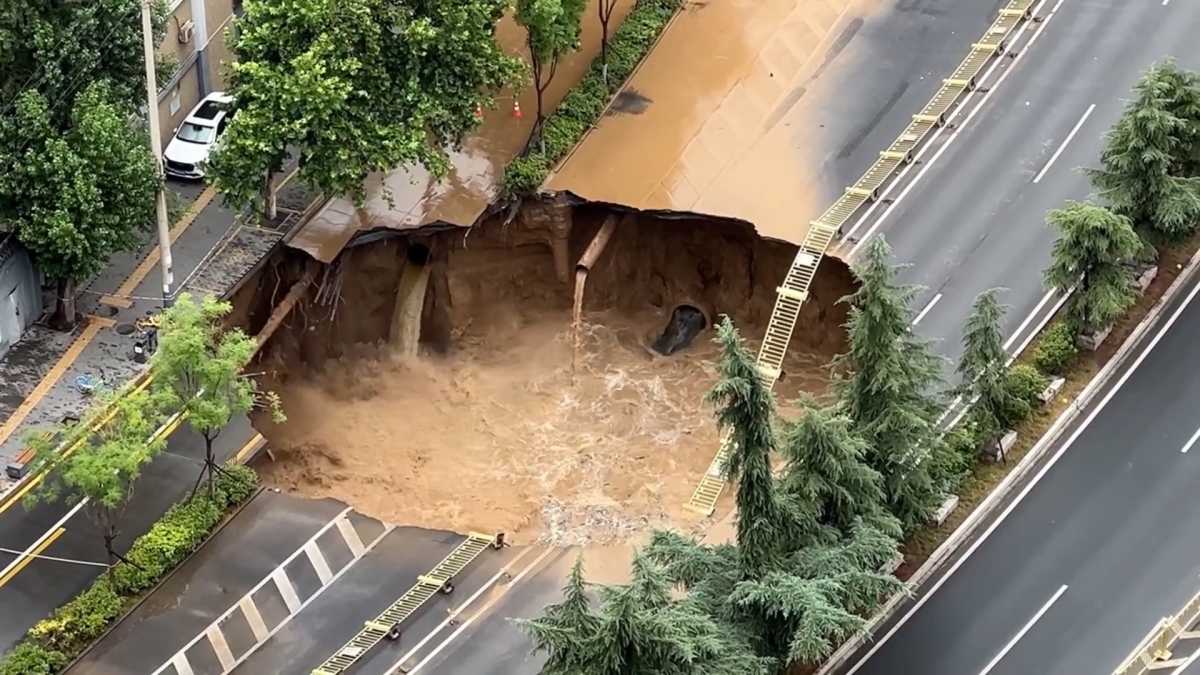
1031,484
1191,441
1191,659
1024,629
928,307
978,106
466,624
1059,151
1025,324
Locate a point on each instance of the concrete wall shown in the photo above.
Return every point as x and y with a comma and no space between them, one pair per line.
20,292
201,58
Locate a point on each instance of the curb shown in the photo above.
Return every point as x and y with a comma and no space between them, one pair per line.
149,592
1031,459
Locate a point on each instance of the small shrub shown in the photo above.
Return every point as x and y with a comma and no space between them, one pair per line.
32,659
1056,351
1024,383
961,450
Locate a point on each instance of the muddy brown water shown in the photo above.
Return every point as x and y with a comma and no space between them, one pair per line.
484,430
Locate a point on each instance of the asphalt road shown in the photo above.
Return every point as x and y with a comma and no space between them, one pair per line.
1115,521
28,593
248,548
976,218
885,67
365,590
1106,543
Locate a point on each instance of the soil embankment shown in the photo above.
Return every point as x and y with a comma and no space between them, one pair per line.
485,428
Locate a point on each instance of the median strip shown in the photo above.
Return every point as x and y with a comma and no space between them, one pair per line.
990,483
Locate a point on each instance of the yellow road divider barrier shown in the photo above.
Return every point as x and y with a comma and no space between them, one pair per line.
823,230
387,624
1154,653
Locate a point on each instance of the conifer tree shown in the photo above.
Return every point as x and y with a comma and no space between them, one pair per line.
827,472
1142,174
637,629
983,368
765,528
887,383
1089,255
791,598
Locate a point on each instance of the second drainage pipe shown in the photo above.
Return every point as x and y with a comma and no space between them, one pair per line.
590,255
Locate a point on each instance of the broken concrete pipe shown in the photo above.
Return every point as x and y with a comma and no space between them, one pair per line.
590,255
410,300
686,320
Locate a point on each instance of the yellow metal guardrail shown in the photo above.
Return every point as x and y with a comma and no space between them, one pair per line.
438,580
1154,653
823,230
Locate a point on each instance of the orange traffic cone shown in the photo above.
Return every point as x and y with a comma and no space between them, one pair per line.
516,108
479,111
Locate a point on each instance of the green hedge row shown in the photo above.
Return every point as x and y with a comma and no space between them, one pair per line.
583,105
56,641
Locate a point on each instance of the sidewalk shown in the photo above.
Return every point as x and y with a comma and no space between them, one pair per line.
212,254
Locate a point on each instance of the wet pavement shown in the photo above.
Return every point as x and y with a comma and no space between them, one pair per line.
71,546
766,110
214,254
267,531
270,540
107,353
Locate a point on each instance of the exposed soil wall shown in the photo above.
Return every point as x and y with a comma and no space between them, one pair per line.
488,430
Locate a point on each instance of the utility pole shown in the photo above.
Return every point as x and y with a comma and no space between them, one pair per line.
164,226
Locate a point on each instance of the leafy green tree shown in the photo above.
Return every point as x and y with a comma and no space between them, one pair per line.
78,182
553,30
75,191
983,368
60,48
101,462
827,472
1093,246
198,372
1142,166
637,629
886,382
356,87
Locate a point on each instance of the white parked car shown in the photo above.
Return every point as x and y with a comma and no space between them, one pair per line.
195,138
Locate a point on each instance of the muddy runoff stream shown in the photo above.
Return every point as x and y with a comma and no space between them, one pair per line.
427,375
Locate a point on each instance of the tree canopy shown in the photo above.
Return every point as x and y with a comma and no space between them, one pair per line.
102,463
553,29
1093,246
198,370
887,382
827,472
1143,166
637,628
356,87
983,368
79,182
